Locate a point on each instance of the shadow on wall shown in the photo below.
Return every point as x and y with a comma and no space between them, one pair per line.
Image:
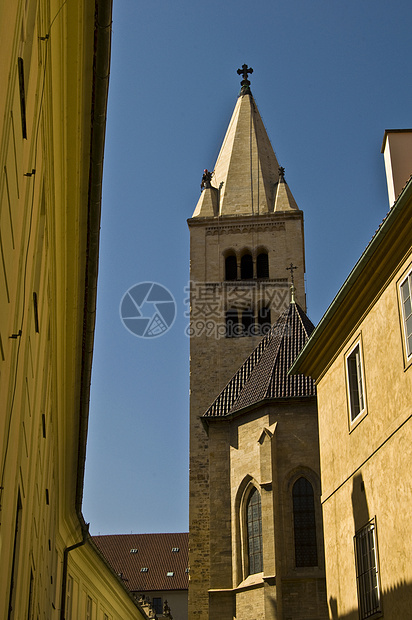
396,604
396,601
359,503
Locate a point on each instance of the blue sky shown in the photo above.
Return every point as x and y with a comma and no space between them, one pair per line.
329,78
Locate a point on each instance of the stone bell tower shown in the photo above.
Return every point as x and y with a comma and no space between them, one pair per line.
245,232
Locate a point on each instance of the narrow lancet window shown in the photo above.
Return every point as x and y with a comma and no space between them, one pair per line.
262,265
246,267
304,521
230,267
254,532
248,321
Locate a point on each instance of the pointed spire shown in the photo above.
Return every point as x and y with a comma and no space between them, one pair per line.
284,200
246,179
246,168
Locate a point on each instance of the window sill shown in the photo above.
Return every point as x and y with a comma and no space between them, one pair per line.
357,420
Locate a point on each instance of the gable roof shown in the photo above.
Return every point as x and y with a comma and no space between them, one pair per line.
160,554
264,375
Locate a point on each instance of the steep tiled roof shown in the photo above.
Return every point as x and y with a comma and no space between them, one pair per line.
264,375
164,558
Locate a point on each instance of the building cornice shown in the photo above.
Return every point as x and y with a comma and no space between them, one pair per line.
236,220
369,277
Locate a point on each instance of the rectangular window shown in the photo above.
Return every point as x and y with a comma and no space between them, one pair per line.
157,605
406,301
356,391
15,561
69,597
367,571
89,607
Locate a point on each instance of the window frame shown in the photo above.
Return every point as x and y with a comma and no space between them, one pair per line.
350,387
299,548
89,607
69,597
406,278
367,608
248,564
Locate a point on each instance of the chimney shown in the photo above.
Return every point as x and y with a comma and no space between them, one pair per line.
397,154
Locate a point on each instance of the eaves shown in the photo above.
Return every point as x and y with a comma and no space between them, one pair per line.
368,278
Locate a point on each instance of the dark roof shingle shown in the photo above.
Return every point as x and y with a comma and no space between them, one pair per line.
264,375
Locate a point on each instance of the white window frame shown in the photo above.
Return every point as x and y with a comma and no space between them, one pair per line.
355,381
405,317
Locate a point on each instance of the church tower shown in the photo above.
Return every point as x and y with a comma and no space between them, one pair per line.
245,232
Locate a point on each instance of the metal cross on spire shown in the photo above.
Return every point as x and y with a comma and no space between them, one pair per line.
292,268
244,73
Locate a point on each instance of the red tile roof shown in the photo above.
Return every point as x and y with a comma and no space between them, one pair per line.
160,554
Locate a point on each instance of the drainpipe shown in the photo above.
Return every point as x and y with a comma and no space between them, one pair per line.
85,532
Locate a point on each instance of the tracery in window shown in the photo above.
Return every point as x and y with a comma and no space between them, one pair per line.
254,532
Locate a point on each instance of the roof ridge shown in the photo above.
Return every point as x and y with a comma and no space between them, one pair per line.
277,335
264,374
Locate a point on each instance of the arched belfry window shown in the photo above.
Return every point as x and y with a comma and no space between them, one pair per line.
262,265
232,323
264,320
304,519
246,267
230,267
254,532
248,321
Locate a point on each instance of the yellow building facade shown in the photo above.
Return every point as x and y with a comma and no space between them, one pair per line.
361,358
54,73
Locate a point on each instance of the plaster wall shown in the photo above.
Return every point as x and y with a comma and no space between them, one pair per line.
365,464
93,580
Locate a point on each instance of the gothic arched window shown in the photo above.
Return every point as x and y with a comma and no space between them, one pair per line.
232,323
246,267
230,267
254,532
306,553
262,265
